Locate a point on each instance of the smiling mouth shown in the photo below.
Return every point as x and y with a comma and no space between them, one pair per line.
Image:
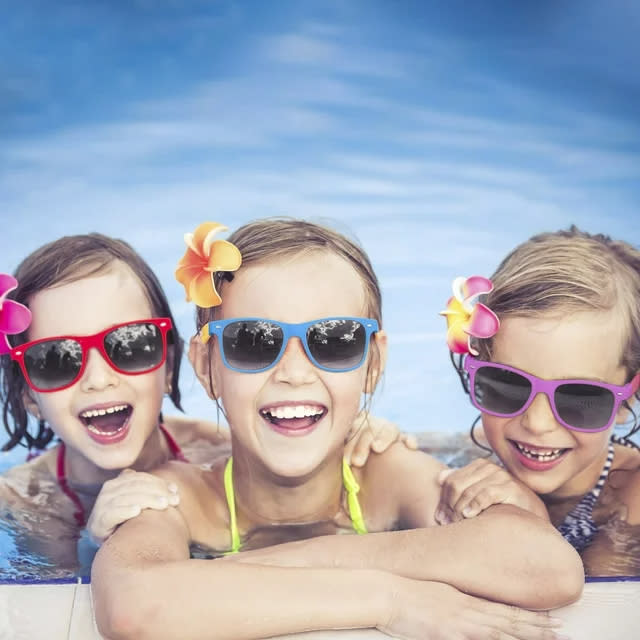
107,422
539,454
293,416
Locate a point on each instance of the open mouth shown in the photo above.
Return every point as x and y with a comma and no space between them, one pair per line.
106,424
539,454
293,418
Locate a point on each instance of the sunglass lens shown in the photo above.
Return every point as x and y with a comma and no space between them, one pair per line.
135,348
584,406
500,391
337,344
53,364
251,345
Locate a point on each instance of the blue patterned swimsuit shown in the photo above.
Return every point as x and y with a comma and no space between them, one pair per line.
578,527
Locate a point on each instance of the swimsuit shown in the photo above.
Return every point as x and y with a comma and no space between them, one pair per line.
350,484
79,513
578,527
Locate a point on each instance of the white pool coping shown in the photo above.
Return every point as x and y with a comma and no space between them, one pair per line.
606,611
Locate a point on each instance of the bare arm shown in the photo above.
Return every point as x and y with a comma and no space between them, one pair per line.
148,558
144,586
505,554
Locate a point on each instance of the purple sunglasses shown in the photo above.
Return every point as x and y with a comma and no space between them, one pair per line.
579,405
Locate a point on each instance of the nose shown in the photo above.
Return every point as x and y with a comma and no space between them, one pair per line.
539,418
294,366
97,374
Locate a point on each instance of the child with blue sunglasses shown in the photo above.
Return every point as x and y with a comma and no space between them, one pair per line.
551,381
90,366
289,338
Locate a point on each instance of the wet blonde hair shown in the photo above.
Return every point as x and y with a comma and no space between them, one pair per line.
571,271
563,272
271,239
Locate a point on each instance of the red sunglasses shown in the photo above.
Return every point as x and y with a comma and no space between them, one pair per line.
132,348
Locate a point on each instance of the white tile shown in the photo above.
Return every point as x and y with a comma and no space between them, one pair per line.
608,610
34,612
83,626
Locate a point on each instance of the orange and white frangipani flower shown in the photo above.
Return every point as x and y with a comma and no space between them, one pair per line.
205,256
466,317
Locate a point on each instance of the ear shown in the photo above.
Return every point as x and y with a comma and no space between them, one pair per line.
201,363
378,361
30,404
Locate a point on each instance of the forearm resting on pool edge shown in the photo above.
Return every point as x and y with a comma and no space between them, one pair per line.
505,554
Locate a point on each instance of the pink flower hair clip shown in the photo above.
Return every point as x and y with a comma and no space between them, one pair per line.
466,317
14,317
205,256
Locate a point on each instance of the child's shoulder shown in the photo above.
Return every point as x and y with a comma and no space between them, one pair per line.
402,483
202,499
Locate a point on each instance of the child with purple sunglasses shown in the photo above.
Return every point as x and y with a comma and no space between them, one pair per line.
552,364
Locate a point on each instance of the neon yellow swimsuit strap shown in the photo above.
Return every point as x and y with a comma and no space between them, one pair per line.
231,503
352,487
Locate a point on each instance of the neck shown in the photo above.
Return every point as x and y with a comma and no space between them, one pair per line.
266,499
88,478
579,484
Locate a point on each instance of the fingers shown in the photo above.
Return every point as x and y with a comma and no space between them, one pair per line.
507,622
409,440
478,497
103,525
456,483
357,450
124,498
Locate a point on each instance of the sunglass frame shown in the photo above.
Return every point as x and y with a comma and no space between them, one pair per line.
88,342
548,387
289,330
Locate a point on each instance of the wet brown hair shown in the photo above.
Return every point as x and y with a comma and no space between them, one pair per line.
65,260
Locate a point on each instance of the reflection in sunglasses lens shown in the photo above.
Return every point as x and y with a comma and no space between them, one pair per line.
501,391
135,347
585,406
251,345
54,363
337,344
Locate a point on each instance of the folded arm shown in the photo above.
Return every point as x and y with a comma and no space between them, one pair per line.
505,554
145,586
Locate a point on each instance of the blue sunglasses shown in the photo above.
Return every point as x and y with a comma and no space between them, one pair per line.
252,345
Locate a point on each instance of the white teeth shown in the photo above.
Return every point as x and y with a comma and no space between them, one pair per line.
292,411
94,413
540,456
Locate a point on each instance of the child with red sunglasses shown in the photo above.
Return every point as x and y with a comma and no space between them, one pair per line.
92,368
289,338
551,383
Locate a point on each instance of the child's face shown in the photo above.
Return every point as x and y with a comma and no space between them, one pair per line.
86,307
294,290
584,345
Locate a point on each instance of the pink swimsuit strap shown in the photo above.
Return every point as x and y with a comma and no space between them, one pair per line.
79,513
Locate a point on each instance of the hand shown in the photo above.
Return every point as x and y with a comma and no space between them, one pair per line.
468,491
437,611
369,433
124,498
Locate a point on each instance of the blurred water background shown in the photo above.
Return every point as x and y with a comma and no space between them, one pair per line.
440,135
